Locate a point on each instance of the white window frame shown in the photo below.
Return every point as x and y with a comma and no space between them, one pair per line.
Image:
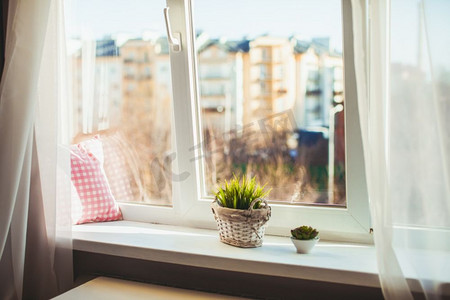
190,209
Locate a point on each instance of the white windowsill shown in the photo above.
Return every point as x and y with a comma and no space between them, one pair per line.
342,263
353,264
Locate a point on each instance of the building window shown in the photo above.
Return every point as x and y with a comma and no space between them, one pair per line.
265,54
129,57
147,72
263,72
263,88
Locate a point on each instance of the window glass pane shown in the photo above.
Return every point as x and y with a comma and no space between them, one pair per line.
419,106
270,77
121,89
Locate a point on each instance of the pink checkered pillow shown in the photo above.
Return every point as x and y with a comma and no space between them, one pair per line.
88,177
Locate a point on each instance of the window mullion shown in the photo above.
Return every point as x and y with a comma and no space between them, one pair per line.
184,177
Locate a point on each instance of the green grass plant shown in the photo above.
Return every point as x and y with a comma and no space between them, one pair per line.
238,194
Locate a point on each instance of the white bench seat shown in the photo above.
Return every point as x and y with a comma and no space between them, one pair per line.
117,289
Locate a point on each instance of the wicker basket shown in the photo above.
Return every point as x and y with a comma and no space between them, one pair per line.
242,228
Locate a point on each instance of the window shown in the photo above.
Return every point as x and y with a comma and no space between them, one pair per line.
148,72
263,72
120,98
291,130
265,54
267,99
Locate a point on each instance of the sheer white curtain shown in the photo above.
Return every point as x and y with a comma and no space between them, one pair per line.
35,241
403,80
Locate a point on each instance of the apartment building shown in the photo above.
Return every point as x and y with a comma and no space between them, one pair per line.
146,81
239,82
271,77
267,75
137,58
221,83
319,82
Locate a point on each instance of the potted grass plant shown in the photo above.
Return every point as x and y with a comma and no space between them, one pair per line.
241,212
304,238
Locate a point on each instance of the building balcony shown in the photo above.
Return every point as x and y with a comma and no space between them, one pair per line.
214,78
316,92
282,91
215,109
267,61
213,95
265,95
136,61
146,77
268,79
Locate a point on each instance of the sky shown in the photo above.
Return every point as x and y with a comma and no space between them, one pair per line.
405,31
233,19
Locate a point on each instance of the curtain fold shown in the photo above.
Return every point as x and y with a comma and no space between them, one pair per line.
3,20
403,80
35,241
419,110
372,86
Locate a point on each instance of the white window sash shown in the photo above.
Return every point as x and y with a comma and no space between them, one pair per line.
190,209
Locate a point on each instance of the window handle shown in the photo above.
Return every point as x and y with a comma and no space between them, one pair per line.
175,38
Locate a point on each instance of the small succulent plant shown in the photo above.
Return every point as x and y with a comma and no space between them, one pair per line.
304,233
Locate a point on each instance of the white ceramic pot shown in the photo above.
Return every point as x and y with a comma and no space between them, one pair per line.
304,246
